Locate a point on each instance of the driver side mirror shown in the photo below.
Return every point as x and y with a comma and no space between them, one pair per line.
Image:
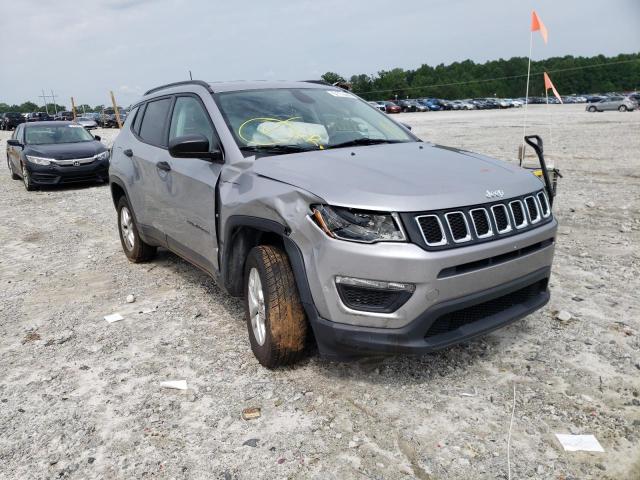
193,146
97,137
14,142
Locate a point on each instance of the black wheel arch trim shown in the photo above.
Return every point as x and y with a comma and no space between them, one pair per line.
291,248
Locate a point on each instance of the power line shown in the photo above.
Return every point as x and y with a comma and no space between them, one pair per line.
497,78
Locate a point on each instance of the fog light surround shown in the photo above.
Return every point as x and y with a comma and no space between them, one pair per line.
374,296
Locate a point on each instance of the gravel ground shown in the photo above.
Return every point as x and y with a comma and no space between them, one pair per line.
81,398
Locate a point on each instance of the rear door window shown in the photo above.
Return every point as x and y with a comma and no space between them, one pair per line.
154,122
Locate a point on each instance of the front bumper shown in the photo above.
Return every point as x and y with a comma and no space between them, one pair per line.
445,281
96,171
440,326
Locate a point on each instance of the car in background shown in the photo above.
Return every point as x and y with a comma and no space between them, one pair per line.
420,107
56,152
87,122
38,117
392,107
381,105
407,105
378,105
462,105
431,103
10,120
620,103
63,116
514,103
595,98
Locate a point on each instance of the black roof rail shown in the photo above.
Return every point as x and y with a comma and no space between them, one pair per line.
202,83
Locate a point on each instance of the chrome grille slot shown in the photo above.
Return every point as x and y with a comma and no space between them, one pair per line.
432,231
458,227
532,209
481,223
517,210
544,204
501,217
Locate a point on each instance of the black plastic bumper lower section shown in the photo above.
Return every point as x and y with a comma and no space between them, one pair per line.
441,325
43,176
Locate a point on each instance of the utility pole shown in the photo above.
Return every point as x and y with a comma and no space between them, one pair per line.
115,109
44,98
55,106
73,109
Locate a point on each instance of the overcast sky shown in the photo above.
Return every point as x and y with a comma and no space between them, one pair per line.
85,49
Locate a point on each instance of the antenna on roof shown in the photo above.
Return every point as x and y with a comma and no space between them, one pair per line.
190,76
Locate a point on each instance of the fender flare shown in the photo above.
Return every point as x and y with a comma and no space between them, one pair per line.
291,248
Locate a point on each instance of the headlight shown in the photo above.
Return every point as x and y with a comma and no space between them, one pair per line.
103,155
39,160
358,225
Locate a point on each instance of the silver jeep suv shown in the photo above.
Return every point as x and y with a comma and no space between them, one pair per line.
336,224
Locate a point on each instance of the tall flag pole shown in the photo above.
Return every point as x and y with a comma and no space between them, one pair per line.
536,25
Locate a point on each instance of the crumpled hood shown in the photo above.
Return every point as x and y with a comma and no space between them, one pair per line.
63,151
398,177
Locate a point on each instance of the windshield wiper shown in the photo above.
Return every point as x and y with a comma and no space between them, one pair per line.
363,141
275,148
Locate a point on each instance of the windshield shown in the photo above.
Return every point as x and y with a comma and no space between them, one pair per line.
305,119
47,134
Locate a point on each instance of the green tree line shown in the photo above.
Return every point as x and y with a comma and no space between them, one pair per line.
29,106
501,78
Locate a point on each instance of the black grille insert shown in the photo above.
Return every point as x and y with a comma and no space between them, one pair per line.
454,320
481,222
458,226
500,215
518,213
431,229
372,299
544,205
532,208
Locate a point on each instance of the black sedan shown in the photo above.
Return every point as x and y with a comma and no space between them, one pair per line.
53,153
10,120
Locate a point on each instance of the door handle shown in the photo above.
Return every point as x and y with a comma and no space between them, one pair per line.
128,152
163,166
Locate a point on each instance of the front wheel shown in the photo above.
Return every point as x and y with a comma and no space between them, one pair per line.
14,175
592,109
622,108
26,179
134,247
275,318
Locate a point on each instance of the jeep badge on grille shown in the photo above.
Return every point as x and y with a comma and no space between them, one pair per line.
494,194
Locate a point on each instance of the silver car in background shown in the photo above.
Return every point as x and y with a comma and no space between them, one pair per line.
87,123
620,103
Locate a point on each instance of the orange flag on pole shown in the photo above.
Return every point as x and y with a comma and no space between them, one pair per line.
549,85
536,24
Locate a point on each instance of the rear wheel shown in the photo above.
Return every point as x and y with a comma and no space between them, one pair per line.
134,247
622,108
275,318
592,109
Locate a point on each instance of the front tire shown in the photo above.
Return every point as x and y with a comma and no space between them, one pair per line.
14,175
276,321
592,109
26,179
134,247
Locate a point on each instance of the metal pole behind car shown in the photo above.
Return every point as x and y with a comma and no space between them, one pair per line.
115,110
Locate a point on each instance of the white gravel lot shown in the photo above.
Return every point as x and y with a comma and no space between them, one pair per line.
81,398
